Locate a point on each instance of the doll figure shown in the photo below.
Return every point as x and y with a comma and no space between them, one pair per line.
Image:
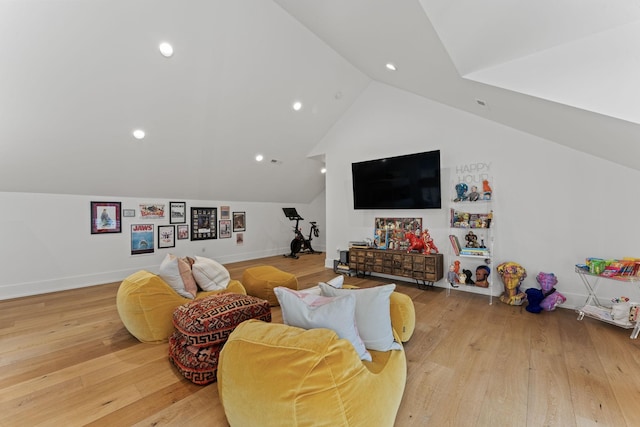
452,276
474,195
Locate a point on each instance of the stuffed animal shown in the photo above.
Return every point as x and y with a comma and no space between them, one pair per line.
552,298
512,275
468,277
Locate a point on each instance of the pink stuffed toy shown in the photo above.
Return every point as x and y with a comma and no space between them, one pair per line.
552,298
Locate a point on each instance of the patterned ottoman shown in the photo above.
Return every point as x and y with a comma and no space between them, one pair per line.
259,281
202,328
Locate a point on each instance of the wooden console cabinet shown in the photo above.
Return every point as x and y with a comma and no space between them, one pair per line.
420,267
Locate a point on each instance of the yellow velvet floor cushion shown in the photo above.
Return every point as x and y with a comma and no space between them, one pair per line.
259,282
403,314
146,304
277,375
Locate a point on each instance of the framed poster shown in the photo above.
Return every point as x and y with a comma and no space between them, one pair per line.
141,239
105,217
166,236
239,221
183,232
128,213
177,212
203,223
225,228
152,210
390,233
225,212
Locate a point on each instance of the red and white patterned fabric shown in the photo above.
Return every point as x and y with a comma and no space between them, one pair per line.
202,328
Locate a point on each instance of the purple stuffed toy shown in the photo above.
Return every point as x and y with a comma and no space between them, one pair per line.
552,298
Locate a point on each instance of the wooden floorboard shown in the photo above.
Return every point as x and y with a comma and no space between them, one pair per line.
66,359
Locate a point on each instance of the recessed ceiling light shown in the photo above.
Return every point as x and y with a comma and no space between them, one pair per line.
138,134
166,50
323,170
259,158
390,66
297,105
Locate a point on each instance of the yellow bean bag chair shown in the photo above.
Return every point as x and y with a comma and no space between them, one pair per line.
259,282
277,375
146,304
403,314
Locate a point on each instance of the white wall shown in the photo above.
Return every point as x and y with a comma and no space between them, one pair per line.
47,245
553,206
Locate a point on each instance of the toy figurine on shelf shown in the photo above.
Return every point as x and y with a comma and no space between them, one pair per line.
468,280
461,192
486,190
472,240
452,276
482,276
474,195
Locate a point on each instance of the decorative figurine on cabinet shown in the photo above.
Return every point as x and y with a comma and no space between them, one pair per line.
415,242
430,246
512,275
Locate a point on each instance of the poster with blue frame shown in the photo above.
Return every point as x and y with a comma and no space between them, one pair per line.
141,239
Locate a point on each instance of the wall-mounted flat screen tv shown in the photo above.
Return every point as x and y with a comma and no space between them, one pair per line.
404,182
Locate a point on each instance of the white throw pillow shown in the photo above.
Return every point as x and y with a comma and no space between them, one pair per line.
337,281
373,315
170,273
210,275
309,311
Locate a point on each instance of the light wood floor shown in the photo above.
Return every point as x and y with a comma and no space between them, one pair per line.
67,360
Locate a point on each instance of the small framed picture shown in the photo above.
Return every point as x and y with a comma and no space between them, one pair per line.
183,232
152,210
239,221
177,212
141,239
225,228
166,236
105,217
204,223
225,212
129,213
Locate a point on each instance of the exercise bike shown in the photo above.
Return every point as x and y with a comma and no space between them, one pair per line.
299,243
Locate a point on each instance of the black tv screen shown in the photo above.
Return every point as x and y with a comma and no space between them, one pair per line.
404,182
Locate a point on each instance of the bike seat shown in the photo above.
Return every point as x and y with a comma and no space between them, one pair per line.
312,222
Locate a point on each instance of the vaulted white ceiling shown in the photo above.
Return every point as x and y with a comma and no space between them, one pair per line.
77,77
